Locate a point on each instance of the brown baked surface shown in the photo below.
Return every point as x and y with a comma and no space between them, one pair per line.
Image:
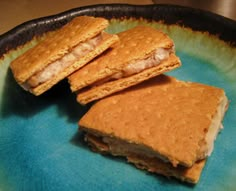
107,42
55,46
167,116
103,90
154,165
191,174
135,44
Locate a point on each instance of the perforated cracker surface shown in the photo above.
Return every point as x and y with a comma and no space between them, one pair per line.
55,46
107,41
168,116
103,90
135,44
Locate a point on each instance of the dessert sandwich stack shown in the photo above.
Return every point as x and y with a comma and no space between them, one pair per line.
162,125
159,123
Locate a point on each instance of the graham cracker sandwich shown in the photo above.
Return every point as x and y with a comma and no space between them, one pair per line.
161,125
142,53
142,161
60,54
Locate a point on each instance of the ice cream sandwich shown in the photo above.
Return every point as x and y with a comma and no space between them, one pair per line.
60,54
142,53
161,124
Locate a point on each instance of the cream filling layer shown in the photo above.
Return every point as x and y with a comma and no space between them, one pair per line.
59,65
215,126
138,66
118,147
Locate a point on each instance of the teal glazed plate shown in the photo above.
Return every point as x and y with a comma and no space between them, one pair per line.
40,146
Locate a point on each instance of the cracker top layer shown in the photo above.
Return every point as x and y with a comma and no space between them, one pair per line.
168,116
108,88
55,45
135,44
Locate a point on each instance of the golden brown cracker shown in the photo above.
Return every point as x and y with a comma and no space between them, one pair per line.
151,164
167,116
55,46
107,42
135,44
103,90
155,165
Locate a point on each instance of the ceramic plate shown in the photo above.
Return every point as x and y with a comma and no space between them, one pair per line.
40,147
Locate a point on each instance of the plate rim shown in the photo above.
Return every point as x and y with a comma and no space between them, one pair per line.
26,31
42,19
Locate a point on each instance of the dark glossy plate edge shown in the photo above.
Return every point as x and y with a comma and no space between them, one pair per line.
196,19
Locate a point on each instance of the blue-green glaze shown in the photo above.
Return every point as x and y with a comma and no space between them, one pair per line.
41,149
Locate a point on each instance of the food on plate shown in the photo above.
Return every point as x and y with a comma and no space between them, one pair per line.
142,53
159,123
62,53
163,125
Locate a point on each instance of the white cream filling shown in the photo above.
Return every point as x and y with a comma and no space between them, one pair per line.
138,66
215,126
143,161
119,147
59,65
